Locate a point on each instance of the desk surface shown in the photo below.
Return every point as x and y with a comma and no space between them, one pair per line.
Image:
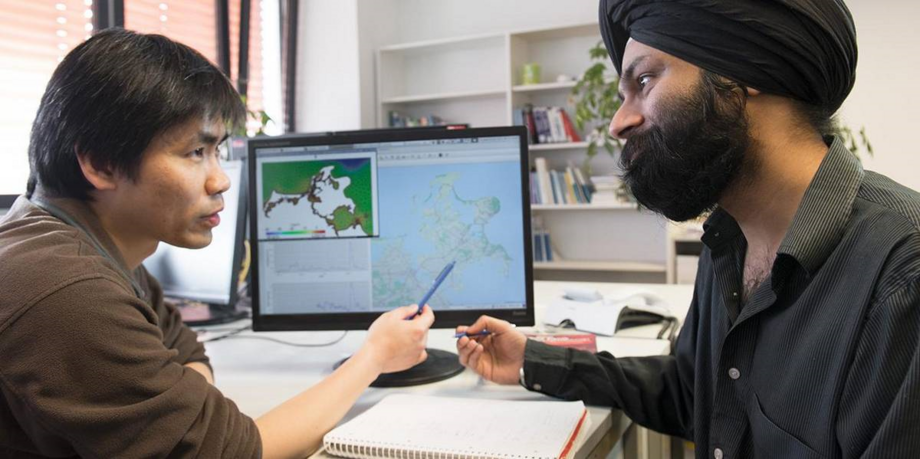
259,375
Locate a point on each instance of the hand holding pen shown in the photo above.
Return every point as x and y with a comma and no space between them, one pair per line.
493,348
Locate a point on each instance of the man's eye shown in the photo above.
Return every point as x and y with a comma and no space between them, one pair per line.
644,80
198,152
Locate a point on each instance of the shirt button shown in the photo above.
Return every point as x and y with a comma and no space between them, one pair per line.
537,387
734,373
717,454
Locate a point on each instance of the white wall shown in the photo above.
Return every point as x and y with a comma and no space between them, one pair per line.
885,99
328,75
426,19
377,25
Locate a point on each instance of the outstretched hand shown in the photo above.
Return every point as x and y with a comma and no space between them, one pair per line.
397,343
498,356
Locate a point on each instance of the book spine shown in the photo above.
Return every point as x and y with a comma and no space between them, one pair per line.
558,128
570,131
538,246
546,188
547,247
531,123
585,187
570,187
558,196
534,188
543,133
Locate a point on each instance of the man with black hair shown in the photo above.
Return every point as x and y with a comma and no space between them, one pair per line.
803,336
93,362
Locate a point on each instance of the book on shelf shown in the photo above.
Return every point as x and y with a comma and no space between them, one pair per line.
542,246
399,120
546,124
567,186
419,426
543,181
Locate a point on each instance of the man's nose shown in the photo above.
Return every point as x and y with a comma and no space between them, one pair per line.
624,121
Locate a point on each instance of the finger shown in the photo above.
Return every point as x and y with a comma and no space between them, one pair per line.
464,356
489,323
462,329
427,317
465,351
405,312
474,357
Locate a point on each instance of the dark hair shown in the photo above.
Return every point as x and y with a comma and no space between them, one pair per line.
111,96
814,117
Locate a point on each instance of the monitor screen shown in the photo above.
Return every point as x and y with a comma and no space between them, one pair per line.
348,225
210,274
6,202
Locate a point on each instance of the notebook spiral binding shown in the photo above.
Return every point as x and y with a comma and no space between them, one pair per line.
397,451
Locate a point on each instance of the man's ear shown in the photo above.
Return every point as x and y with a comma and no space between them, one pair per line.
101,179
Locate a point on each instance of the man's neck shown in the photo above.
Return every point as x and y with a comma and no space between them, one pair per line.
134,249
766,199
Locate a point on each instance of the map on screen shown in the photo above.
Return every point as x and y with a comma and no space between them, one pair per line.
366,228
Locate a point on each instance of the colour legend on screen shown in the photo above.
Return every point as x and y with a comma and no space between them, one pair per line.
301,233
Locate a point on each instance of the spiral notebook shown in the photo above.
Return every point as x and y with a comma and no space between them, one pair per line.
419,426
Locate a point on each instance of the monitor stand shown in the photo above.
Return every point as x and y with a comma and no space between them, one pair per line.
439,365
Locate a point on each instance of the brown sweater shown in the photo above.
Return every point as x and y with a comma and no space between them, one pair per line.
89,369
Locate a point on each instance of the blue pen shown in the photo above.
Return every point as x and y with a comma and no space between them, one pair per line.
434,286
468,335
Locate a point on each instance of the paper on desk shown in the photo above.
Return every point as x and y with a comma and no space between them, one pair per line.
600,317
594,317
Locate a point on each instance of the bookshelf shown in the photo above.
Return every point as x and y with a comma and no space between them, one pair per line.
580,146
477,80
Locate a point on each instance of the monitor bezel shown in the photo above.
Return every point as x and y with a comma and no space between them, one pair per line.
361,321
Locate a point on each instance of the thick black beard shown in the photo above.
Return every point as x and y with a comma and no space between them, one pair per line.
681,167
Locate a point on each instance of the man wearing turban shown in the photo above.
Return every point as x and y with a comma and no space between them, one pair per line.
803,336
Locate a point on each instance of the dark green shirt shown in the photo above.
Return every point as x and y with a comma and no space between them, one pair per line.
823,361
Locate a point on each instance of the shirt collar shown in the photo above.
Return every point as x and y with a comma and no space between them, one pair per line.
822,216
821,219
81,214
719,229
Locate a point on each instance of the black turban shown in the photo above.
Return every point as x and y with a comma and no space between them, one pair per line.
801,49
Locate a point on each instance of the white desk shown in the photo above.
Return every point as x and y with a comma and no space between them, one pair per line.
259,375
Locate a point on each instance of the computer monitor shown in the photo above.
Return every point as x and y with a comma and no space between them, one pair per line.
6,202
346,226
209,275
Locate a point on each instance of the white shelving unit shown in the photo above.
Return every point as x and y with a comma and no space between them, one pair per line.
580,146
477,80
